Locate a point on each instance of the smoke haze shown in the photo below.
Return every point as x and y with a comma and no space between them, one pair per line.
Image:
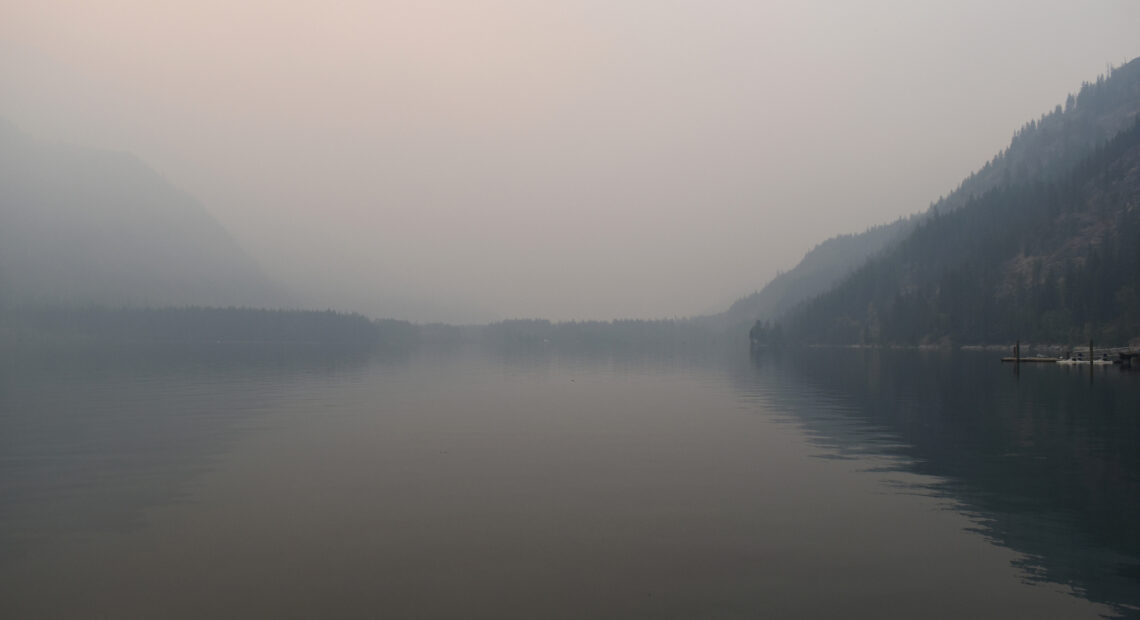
481,159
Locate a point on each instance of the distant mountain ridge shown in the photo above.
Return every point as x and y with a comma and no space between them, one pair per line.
86,226
1040,149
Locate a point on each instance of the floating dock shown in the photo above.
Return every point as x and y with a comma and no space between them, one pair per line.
1123,356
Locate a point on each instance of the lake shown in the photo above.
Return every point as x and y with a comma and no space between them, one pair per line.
226,481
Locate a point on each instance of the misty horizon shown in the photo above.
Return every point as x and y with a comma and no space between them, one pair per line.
474,162
569,309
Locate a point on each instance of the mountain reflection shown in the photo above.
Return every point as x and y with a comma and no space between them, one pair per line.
1043,461
625,465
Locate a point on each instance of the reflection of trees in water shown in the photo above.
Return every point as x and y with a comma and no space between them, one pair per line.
91,437
1044,462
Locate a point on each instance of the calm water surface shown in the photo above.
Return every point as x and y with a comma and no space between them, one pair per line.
222,482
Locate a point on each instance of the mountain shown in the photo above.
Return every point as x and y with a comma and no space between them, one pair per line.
818,271
1052,260
1042,149
86,226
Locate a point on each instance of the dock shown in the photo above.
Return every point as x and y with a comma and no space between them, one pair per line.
1123,356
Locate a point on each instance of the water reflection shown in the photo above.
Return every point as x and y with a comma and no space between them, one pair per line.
1044,461
532,482
91,437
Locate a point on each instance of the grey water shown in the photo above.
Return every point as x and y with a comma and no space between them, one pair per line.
248,482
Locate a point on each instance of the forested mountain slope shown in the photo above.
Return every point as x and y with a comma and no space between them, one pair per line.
1040,150
818,271
84,226
1051,260
1052,144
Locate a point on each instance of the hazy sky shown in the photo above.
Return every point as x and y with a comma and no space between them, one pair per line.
475,159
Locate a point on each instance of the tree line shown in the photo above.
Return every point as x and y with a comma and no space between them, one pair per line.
198,324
